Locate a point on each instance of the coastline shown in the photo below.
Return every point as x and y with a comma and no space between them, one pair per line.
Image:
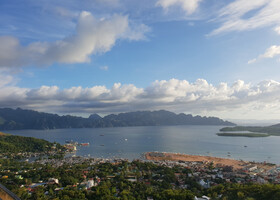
235,164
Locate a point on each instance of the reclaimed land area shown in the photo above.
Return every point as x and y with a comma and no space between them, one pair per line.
235,164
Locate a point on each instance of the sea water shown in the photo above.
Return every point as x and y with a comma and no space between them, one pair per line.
132,142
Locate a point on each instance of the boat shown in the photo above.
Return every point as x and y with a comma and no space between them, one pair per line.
84,144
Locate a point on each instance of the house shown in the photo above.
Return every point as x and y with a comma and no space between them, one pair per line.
202,198
203,183
53,181
252,168
131,178
90,184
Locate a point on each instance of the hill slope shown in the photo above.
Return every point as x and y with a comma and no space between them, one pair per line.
10,144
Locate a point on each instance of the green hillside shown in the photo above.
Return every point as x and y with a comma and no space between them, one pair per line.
16,144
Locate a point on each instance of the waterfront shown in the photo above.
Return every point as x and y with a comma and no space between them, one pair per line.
132,142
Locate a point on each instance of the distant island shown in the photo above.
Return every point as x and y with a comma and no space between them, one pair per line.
16,119
251,131
236,134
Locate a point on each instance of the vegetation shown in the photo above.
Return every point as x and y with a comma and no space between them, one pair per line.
11,119
12,144
245,191
243,134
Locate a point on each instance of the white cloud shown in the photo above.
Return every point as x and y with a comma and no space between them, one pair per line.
137,32
189,6
242,15
5,80
64,12
277,29
104,68
252,61
271,52
44,92
200,97
92,37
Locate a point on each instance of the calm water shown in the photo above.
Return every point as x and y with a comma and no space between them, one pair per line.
131,142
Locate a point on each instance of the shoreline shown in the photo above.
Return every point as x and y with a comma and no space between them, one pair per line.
235,164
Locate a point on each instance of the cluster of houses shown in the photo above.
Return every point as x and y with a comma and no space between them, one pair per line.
204,173
208,175
51,152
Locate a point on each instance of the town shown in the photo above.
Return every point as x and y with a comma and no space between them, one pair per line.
99,178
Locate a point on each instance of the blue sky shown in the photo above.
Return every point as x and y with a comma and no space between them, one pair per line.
102,56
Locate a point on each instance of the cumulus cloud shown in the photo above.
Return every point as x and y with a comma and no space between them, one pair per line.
271,52
189,6
243,15
176,95
92,36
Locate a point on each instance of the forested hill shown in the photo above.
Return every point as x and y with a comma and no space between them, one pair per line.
17,144
15,119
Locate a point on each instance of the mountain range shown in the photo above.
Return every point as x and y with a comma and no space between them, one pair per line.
15,119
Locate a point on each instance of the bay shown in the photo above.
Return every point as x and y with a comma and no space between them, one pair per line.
132,142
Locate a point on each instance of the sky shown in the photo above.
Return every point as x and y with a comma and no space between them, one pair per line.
202,57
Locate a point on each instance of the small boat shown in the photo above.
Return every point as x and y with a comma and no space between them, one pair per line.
245,146
84,144
101,135
125,139
102,145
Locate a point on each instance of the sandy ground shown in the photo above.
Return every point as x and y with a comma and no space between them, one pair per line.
236,164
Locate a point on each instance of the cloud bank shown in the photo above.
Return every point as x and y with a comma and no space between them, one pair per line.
92,36
239,99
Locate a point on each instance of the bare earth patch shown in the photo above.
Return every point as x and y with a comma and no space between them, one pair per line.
236,164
